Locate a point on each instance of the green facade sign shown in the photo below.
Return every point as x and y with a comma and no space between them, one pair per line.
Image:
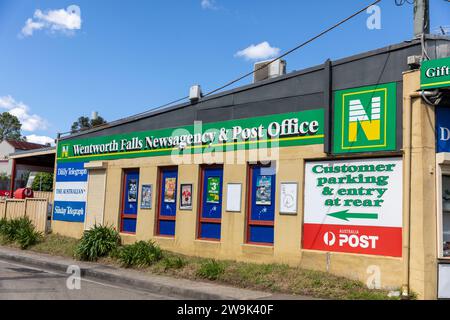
435,73
365,119
283,130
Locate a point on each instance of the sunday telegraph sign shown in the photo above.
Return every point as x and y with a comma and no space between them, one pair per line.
290,129
354,206
435,73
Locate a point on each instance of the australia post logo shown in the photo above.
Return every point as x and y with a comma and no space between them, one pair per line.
365,119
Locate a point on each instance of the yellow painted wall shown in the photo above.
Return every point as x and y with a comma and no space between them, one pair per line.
288,228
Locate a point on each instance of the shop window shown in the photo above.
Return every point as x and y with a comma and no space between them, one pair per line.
445,219
167,200
261,204
210,209
129,208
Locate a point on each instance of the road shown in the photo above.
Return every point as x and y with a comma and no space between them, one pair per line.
21,282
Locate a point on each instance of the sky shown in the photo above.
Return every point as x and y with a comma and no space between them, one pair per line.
60,60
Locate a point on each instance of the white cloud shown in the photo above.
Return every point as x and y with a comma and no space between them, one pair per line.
259,51
30,122
40,139
209,5
66,21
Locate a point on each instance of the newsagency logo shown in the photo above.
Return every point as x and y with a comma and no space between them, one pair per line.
65,151
365,119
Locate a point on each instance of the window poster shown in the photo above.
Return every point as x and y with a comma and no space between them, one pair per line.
146,200
212,193
264,190
132,190
169,189
186,196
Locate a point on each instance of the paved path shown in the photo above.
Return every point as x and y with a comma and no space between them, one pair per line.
19,281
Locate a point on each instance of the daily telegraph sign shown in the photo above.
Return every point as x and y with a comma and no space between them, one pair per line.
435,73
290,129
354,206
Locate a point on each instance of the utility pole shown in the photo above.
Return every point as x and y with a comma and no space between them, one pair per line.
421,17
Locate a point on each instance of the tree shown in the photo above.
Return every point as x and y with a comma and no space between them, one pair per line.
43,182
10,127
84,123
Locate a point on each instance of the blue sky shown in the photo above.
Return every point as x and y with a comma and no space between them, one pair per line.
124,57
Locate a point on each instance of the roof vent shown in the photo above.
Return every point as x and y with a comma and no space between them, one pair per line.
275,69
195,93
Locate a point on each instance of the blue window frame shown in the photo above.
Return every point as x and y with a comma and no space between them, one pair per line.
167,207
261,206
210,209
129,209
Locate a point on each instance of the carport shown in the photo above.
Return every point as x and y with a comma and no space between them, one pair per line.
38,160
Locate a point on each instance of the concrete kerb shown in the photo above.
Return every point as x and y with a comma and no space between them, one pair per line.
156,284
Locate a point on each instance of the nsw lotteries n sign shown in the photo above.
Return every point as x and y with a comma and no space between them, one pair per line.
354,206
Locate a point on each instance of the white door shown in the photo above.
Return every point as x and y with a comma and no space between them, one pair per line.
96,198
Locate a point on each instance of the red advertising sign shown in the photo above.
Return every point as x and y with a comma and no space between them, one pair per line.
385,241
354,206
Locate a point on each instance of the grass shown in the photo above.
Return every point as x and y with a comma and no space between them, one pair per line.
140,254
97,242
276,278
20,231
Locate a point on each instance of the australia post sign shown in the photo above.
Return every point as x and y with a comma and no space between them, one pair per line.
354,206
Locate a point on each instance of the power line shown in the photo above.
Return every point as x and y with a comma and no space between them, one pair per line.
294,49
264,65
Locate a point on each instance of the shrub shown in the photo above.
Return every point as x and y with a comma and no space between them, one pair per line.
43,181
174,263
21,231
211,270
3,225
140,254
27,237
97,242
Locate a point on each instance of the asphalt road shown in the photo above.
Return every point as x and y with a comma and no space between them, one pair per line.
21,282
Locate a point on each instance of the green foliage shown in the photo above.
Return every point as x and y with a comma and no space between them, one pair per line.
97,242
173,263
84,123
140,254
21,231
211,270
10,127
43,182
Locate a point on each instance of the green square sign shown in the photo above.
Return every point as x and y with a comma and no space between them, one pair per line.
365,119
435,74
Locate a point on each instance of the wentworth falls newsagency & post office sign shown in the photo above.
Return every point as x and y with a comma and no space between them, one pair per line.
327,141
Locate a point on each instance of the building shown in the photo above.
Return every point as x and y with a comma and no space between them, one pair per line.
331,168
8,147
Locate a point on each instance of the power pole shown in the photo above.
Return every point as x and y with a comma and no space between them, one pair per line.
421,17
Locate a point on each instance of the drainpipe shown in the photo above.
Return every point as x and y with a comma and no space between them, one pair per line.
407,194
13,178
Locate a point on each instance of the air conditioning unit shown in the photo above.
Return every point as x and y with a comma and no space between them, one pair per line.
195,93
275,69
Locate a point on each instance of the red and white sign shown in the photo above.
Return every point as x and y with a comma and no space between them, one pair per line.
354,206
